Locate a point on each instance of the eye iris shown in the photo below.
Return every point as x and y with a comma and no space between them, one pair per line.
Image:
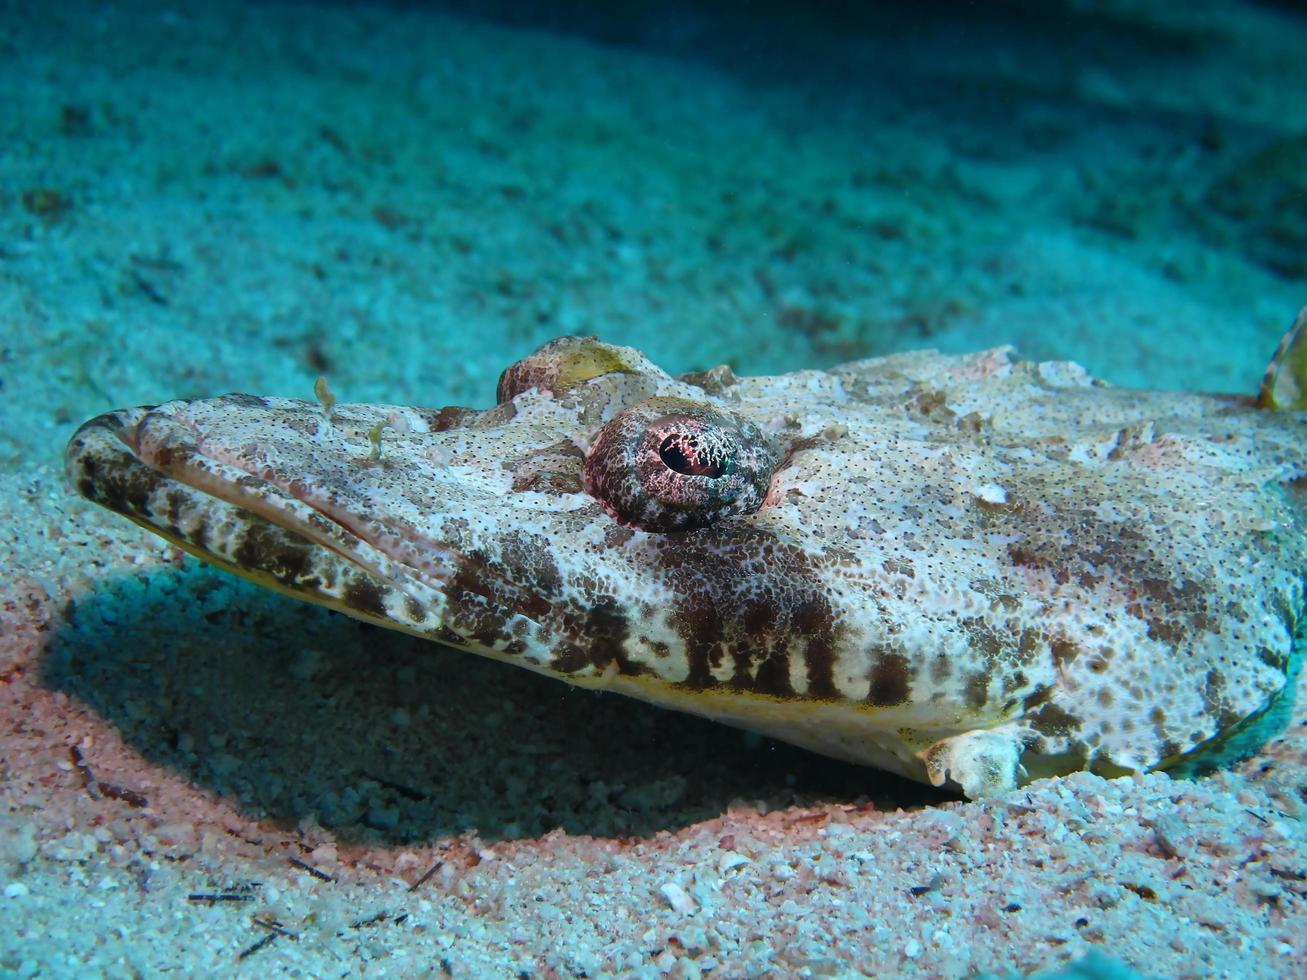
692,455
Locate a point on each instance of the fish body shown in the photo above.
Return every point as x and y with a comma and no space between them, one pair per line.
970,570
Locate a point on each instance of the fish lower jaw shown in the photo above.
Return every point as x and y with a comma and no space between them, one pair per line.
983,761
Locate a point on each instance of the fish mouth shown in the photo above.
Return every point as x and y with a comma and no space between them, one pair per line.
147,465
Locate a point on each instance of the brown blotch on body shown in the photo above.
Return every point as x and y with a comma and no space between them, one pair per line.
530,563
415,611
452,417
889,681
177,502
1036,697
476,610
615,535
1064,652
365,596
898,566
1054,722
983,639
977,690
1272,659
738,589
552,469
759,617
813,620
267,548
773,675
242,400
605,632
123,485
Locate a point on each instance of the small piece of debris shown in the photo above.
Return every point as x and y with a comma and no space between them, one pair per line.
677,898
251,950
320,875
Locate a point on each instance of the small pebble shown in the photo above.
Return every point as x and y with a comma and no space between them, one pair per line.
677,898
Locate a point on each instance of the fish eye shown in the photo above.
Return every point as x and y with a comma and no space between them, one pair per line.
671,464
698,454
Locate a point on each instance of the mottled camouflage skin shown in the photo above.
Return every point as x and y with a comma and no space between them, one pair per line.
967,568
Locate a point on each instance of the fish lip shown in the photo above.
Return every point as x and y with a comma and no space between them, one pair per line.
101,462
155,440
145,464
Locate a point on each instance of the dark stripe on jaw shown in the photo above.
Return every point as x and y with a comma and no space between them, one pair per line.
120,484
269,549
889,681
813,620
415,611
744,595
366,597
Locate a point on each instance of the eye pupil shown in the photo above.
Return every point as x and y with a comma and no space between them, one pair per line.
683,453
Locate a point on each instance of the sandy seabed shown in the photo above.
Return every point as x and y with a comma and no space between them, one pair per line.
204,779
